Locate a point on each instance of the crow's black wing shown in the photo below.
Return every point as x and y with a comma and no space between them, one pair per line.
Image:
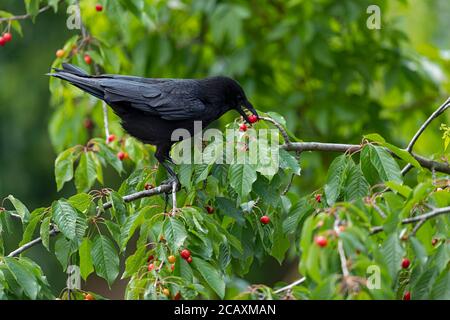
170,99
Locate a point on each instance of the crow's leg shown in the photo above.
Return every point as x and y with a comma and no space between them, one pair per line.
162,155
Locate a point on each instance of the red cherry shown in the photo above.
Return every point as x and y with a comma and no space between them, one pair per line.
89,297
151,266
122,155
405,263
87,59
111,138
88,124
2,41
99,7
321,241
243,127
150,258
172,267
407,296
148,186
318,198
434,242
177,296
189,260
185,254
252,118
210,209
264,219
7,37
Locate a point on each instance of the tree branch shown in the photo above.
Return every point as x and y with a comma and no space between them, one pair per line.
420,218
433,116
128,198
23,16
338,147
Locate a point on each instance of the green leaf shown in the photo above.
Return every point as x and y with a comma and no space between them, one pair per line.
280,244
392,253
210,275
86,266
45,232
68,220
64,168
174,232
135,262
404,190
32,7
336,179
81,201
422,286
22,211
242,177
228,208
288,161
129,227
441,287
386,166
105,258
402,154
356,185
24,277
36,216
63,250
85,174
106,153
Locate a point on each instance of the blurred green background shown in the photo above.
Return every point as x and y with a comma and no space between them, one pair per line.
314,62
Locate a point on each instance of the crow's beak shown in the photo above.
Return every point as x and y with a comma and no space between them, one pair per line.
249,107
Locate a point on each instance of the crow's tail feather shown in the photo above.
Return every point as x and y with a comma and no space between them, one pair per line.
80,79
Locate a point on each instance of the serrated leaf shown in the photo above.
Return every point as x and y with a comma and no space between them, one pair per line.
106,153
45,232
357,186
85,174
441,287
336,179
175,233
392,253
86,265
210,275
105,259
21,209
242,177
386,166
68,220
24,277
81,201
129,227
402,154
64,168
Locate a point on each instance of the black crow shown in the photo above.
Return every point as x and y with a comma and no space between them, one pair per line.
151,109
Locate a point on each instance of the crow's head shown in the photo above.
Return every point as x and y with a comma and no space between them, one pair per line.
239,99
232,95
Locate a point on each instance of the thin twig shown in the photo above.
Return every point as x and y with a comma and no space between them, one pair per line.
24,16
279,127
105,120
30,244
341,251
290,286
419,132
128,198
433,116
420,218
